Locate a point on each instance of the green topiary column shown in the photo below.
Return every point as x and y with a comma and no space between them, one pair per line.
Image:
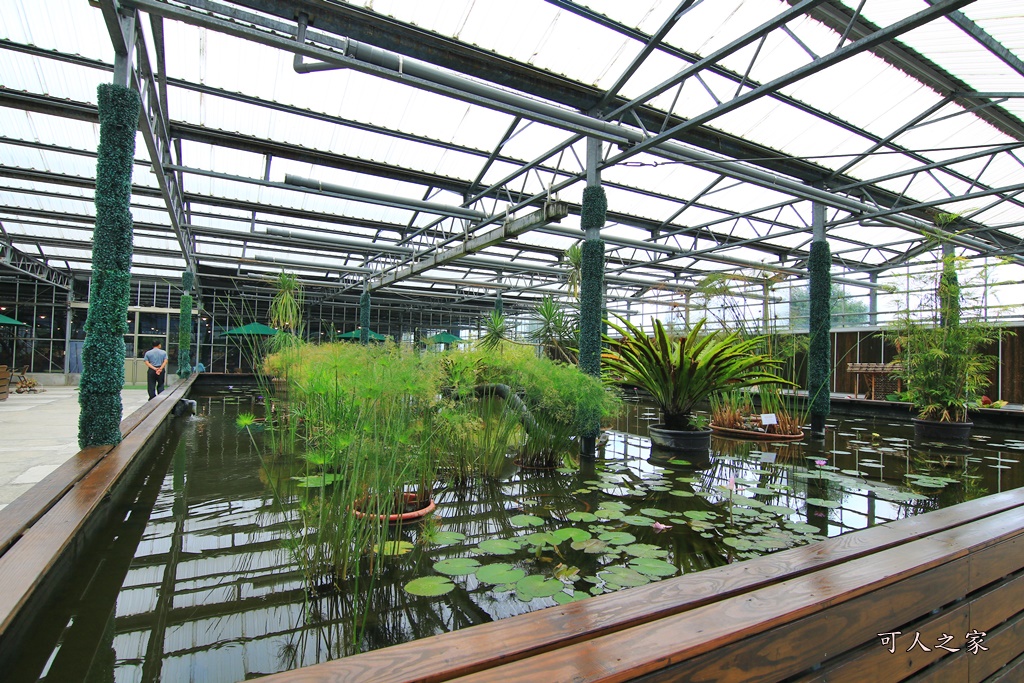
592,218
499,307
185,336
364,318
819,367
103,354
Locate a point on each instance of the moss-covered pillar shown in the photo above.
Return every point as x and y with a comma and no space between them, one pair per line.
873,300
364,316
592,217
99,394
185,325
819,367
499,306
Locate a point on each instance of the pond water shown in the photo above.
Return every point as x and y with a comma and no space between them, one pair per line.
199,583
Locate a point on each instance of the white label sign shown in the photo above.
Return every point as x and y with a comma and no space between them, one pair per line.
769,419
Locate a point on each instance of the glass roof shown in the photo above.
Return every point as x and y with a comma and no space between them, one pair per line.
483,117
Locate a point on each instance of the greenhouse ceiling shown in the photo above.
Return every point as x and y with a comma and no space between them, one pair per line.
430,148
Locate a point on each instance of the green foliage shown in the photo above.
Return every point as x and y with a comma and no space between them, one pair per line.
103,352
556,331
574,257
188,280
185,336
286,307
495,331
680,374
591,306
594,208
499,306
819,361
364,318
949,293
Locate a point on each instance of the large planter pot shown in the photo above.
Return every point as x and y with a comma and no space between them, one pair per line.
680,439
942,431
411,500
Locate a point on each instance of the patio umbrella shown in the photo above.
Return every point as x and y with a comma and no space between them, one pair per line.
354,334
4,320
444,338
251,330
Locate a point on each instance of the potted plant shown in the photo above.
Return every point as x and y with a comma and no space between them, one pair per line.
944,368
683,372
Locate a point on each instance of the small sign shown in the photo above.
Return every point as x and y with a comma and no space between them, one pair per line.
767,457
769,419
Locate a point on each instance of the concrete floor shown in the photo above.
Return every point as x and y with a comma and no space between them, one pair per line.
39,432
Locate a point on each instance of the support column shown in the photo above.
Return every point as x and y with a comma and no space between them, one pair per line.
592,218
185,325
364,315
103,354
819,368
873,300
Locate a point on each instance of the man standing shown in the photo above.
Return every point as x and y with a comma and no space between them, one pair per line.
156,361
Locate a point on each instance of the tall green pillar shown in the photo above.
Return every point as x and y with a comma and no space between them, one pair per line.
185,325
819,366
592,217
364,317
103,353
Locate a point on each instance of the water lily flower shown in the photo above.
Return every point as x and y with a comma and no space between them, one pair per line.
659,527
819,463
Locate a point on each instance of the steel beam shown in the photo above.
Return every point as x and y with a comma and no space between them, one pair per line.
553,212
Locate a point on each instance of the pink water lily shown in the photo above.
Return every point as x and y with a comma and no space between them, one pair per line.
659,527
819,463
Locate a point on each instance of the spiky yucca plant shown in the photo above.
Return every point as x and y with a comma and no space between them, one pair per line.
680,374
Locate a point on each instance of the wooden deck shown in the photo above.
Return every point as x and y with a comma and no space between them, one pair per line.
807,614
41,530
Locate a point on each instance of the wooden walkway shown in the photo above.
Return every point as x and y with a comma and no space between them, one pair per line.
41,530
811,614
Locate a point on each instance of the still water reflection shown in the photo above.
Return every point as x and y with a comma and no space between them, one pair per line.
198,582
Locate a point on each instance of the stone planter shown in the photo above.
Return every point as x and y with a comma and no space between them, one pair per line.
930,430
681,439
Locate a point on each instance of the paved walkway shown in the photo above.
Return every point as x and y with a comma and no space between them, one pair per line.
39,432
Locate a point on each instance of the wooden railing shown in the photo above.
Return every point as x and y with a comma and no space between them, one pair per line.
879,379
822,612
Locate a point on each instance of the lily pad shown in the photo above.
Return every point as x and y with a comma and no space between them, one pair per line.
540,538
637,520
430,586
580,516
457,566
653,567
564,598
821,502
393,548
645,550
592,546
498,546
617,538
571,534
445,537
499,573
679,461
654,512
537,586
623,576
318,480
683,494
526,520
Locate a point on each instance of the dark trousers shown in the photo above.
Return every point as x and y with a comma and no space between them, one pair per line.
155,382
